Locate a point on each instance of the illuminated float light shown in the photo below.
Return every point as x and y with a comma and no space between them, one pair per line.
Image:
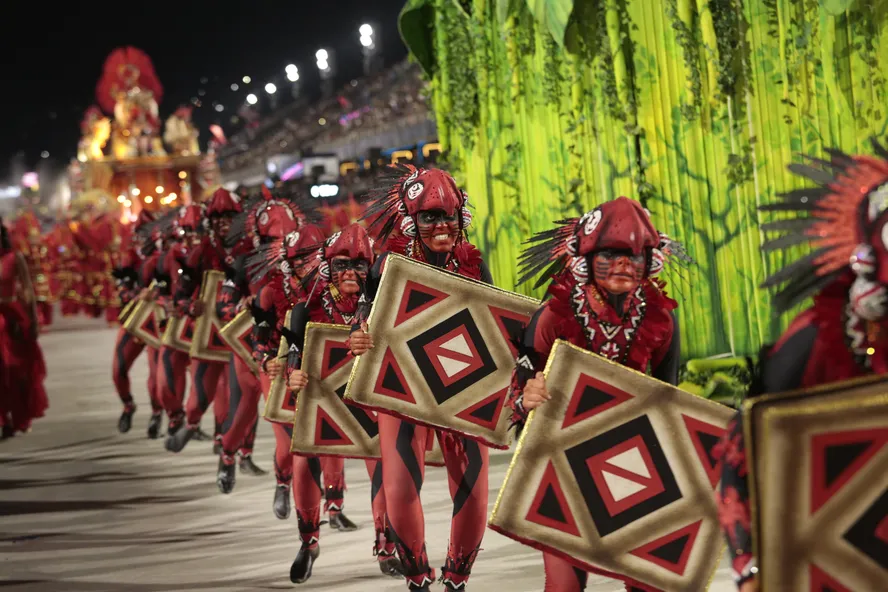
270,88
159,189
252,99
148,199
246,79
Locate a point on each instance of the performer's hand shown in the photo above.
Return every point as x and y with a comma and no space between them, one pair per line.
750,586
197,308
298,380
535,392
145,294
361,341
245,303
273,367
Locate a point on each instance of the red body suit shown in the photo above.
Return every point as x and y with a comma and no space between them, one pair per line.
127,348
173,363
653,343
22,370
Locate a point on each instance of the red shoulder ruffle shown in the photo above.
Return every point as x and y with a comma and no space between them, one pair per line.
658,326
469,258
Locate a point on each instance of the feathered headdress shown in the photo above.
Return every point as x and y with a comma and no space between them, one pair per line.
403,191
836,218
278,256
619,224
271,216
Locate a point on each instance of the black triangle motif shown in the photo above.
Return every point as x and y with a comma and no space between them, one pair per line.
708,441
291,400
839,457
671,551
216,340
337,354
391,381
549,506
488,411
514,328
417,298
363,418
189,330
340,392
149,325
328,432
592,398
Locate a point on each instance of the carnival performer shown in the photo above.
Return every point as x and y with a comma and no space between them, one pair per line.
22,370
844,334
320,280
128,347
434,216
618,311
264,220
209,380
33,248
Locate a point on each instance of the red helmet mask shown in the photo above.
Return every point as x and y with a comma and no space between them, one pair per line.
190,224
436,210
221,209
346,258
297,245
272,219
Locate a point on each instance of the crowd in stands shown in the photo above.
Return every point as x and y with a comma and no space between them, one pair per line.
362,107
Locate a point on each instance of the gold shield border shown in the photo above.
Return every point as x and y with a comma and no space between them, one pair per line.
781,421
174,334
203,325
277,392
126,311
240,325
138,315
365,369
543,441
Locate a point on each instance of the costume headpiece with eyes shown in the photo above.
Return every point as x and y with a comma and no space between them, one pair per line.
845,220
281,255
223,203
271,216
191,218
405,191
622,224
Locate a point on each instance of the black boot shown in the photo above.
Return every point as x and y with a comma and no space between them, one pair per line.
225,477
249,467
300,571
201,436
217,447
176,442
126,418
281,505
339,521
154,425
391,566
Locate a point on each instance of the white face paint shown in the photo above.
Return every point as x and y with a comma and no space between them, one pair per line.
415,191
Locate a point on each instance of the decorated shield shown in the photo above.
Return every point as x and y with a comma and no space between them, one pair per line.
145,321
236,336
280,406
179,333
208,344
616,473
442,355
819,487
126,311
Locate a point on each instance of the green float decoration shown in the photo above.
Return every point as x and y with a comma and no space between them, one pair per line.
546,108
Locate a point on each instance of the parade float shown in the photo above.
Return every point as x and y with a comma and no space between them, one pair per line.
126,159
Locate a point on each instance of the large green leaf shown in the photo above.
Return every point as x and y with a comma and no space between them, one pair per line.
416,23
552,15
504,8
836,7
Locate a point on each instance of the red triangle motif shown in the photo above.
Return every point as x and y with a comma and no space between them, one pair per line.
671,551
549,507
882,530
591,397
644,480
705,436
336,355
328,432
827,480
486,413
417,298
390,381
506,320
823,582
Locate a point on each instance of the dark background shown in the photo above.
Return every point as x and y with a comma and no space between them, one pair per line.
53,56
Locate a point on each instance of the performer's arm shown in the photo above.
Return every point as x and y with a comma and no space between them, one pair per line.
486,276
733,503
371,286
265,329
188,288
533,351
232,292
784,366
665,361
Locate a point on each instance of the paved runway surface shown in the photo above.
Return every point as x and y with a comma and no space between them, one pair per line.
84,508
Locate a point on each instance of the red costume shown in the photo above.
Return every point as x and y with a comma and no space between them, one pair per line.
127,347
22,371
843,335
352,249
633,326
428,205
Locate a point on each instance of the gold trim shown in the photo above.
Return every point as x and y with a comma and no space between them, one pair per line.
278,391
230,333
204,324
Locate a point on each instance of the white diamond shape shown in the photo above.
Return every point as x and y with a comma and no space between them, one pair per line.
620,487
458,344
631,461
452,367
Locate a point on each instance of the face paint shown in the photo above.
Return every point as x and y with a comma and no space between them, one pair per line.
348,275
221,225
618,272
438,230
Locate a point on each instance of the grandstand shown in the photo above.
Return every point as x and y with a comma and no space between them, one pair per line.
368,122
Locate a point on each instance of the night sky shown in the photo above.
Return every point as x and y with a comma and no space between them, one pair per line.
53,56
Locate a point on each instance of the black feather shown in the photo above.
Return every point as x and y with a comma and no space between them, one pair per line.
819,176
878,148
789,207
785,242
790,225
806,195
803,266
802,288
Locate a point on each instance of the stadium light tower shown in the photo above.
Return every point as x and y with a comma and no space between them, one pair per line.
326,66
369,48
293,76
